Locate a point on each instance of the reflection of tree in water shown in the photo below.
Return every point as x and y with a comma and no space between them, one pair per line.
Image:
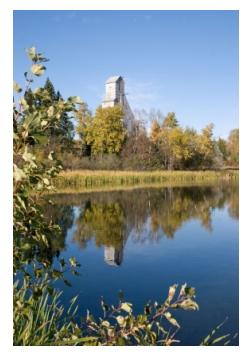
63,216
233,203
103,221
180,205
145,214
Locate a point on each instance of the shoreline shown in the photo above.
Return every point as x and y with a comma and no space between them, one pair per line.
81,181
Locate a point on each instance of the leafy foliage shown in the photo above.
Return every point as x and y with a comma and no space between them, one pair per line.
33,272
106,132
233,147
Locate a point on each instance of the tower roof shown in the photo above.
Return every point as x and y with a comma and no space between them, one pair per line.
113,79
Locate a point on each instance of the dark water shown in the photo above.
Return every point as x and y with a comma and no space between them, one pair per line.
142,241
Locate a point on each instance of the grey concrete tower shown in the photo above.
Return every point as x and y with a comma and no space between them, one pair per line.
115,95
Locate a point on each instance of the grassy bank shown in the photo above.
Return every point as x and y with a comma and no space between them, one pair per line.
86,179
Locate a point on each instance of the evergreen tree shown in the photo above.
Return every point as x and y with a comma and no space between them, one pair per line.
49,87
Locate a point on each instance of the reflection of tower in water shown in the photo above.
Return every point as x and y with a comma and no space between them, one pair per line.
113,256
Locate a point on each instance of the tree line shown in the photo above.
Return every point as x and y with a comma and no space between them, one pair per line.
101,141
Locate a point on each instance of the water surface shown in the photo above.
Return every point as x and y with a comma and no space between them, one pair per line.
142,241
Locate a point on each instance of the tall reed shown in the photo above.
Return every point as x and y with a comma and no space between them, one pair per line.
86,179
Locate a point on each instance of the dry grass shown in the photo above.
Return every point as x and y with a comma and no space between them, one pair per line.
85,180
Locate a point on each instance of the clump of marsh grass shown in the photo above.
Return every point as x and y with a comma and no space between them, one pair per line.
86,179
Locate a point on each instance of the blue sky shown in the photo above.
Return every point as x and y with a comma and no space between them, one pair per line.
181,61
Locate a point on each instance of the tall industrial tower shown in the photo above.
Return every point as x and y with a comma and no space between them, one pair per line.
115,95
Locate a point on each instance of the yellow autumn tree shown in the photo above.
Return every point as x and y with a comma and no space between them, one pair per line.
233,147
155,131
106,132
207,146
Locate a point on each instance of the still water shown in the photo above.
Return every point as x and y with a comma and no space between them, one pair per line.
142,241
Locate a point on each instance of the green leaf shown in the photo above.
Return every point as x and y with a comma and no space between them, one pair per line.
189,291
26,246
171,319
171,293
27,156
50,156
126,307
24,103
121,341
121,320
46,181
38,69
19,174
105,323
31,53
75,100
50,111
73,262
16,87
44,123
21,202
188,304
182,290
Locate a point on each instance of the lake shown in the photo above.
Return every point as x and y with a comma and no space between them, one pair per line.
144,240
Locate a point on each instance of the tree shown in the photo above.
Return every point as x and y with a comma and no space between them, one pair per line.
49,87
155,131
222,146
170,121
170,144
176,145
233,147
64,131
47,97
206,146
138,151
106,132
190,144
66,127
84,119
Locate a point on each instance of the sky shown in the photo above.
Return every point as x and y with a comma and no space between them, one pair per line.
173,61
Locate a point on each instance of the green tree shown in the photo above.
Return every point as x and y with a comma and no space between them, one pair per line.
65,128
49,87
63,131
84,120
106,132
233,147
190,143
